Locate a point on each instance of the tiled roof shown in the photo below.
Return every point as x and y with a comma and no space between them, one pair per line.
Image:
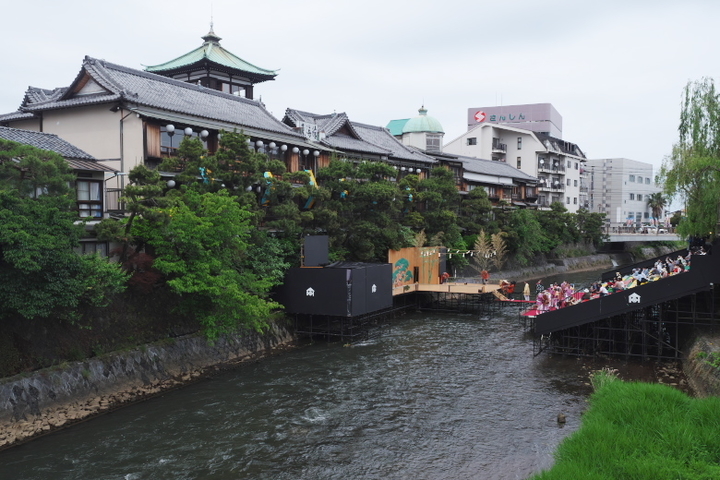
494,168
328,124
213,52
349,144
381,137
472,165
15,116
76,158
144,89
35,95
362,138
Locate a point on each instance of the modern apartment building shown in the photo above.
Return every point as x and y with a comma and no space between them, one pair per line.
557,164
620,187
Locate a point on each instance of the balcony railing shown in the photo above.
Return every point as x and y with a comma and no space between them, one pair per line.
549,168
552,188
499,147
112,200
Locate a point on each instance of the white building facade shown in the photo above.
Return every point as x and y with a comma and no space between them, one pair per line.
557,164
620,187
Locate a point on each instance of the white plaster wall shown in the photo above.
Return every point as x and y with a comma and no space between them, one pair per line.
96,130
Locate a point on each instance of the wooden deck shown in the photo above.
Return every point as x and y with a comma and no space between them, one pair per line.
446,287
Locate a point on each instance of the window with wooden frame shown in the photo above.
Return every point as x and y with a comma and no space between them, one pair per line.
89,198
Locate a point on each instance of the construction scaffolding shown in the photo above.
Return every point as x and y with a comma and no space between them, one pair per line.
353,329
346,329
476,303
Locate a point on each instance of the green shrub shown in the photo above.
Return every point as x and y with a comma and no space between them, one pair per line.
641,431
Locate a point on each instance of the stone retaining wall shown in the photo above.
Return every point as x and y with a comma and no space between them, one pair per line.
571,264
51,398
703,378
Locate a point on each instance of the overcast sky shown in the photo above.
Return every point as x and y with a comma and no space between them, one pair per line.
615,70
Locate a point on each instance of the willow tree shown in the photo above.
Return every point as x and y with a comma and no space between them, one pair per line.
693,170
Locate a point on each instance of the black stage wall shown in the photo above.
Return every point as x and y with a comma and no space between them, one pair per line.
343,289
315,250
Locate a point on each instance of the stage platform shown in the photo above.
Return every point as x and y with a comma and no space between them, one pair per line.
450,287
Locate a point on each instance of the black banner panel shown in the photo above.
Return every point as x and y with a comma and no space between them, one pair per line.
378,285
315,249
316,291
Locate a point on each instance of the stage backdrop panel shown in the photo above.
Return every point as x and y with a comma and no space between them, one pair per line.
416,265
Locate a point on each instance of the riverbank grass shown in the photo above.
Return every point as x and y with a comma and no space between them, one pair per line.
639,431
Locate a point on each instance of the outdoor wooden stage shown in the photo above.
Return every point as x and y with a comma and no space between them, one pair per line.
449,287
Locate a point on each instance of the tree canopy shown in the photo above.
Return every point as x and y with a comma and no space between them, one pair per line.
200,232
692,172
40,273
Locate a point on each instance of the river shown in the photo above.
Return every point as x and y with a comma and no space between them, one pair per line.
438,396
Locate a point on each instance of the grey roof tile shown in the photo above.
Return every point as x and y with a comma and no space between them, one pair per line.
137,87
381,137
348,144
360,138
492,167
77,159
14,116
487,167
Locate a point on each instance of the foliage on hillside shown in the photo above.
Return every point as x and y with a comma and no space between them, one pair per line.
222,234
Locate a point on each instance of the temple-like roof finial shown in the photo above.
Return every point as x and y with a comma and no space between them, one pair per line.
211,37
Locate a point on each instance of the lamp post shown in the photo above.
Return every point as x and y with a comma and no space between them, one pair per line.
170,130
305,153
316,154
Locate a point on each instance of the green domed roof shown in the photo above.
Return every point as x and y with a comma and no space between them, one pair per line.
423,124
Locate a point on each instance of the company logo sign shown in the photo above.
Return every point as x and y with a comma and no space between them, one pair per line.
634,298
374,288
481,116
310,292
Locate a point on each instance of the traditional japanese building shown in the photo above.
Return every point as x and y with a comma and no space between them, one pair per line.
356,141
212,66
504,184
89,184
125,117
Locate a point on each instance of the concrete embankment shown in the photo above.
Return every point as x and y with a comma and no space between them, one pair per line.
573,264
36,403
597,261
703,377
